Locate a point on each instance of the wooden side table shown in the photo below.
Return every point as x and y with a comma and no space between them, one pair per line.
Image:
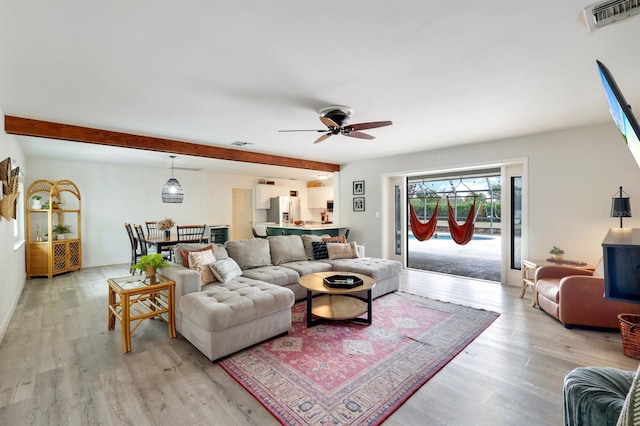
528,279
136,298
529,267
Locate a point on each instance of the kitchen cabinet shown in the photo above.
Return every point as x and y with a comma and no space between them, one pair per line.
318,196
263,193
49,253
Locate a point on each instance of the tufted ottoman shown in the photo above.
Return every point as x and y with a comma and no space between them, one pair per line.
385,272
224,318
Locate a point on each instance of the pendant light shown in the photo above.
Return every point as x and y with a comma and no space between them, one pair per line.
172,191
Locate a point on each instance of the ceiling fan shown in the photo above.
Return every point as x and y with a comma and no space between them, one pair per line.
335,118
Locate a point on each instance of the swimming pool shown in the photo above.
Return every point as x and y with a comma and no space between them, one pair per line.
445,236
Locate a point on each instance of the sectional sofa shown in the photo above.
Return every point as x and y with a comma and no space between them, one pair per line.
242,293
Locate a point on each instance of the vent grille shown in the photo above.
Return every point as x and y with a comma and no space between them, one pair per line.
601,14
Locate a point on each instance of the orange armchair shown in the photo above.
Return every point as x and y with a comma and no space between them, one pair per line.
576,297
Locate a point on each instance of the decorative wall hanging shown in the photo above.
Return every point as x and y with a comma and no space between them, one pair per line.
358,187
358,204
9,179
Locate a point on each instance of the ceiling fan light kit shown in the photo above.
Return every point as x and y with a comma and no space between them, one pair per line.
335,117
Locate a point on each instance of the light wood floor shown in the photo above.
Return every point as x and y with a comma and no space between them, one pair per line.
60,365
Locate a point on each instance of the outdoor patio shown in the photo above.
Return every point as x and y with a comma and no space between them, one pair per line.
480,258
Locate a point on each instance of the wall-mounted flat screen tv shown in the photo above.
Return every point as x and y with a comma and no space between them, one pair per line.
621,112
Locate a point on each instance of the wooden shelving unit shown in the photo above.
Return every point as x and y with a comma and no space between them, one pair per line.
46,254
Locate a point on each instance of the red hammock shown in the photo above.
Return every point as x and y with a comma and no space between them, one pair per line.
462,234
423,231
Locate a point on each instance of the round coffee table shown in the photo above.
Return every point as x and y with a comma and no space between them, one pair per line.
330,303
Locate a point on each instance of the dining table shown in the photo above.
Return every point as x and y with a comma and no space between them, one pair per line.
164,243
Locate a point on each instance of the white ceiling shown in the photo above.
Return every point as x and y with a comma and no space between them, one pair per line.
445,72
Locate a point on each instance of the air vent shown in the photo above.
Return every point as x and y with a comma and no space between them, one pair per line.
602,14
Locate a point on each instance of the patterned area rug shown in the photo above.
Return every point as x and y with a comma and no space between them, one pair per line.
347,373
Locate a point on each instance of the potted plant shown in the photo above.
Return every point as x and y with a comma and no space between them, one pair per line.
149,263
36,202
166,225
60,230
556,253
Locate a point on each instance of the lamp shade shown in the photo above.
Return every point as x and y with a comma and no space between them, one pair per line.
172,191
620,207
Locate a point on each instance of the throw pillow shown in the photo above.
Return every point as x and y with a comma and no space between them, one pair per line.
630,414
307,241
184,254
225,270
342,251
320,250
200,261
339,239
286,248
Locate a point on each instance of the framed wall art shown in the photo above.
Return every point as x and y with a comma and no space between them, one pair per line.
358,204
358,187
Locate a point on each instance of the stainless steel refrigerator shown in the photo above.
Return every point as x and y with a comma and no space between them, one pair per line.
284,210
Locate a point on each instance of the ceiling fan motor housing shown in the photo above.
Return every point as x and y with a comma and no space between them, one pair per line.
338,114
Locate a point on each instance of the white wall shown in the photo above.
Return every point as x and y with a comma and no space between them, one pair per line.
572,175
114,194
12,253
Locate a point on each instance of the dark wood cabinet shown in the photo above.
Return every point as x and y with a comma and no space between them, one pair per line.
621,253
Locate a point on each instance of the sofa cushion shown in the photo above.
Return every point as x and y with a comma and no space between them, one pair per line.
307,241
200,261
320,250
250,253
184,254
549,288
378,269
337,239
308,267
218,250
278,275
225,270
218,307
342,251
286,248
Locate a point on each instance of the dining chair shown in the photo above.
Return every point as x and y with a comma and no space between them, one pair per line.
140,237
152,228
191,233
153,231
135,254
256,235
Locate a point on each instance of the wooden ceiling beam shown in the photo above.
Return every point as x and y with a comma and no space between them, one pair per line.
47,129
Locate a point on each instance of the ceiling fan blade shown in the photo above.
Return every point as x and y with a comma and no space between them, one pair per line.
359,135
328,122
319,131
323,137
371,125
